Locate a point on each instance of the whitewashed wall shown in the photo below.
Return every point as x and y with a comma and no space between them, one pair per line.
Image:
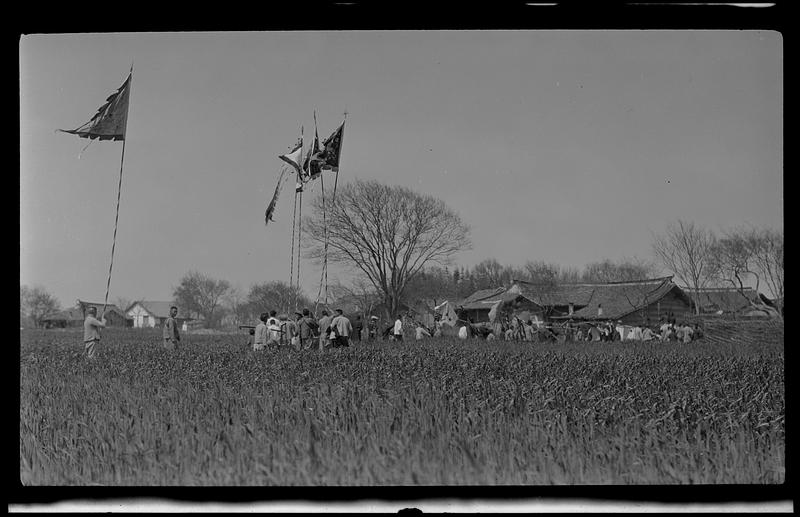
141,318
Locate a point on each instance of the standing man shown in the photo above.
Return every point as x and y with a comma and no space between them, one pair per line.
372,328
274,334
398,328
171,335
260,335
421,331
296,330
324,330
287,330
343,329
91,331
306,326
358,326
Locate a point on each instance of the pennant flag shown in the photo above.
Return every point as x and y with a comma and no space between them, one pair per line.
332,150
295,156
272,204
110,121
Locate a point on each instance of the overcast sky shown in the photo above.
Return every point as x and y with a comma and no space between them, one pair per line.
562,146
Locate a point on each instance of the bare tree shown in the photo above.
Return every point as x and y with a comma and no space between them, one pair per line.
625,270
201,294
490,273
37,303
277,296
736,264
433,283
768,260
359,292
236,304
122,302
23,311
687,251
387,232
542,273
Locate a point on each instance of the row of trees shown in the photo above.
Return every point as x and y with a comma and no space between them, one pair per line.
35,303
398,245
738,258
217,301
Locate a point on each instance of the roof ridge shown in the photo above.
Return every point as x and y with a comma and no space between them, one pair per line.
595,284
730,289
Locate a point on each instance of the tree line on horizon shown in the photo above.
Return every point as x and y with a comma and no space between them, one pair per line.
398,246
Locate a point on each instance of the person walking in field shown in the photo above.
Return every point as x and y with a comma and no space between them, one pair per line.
358,327
372,328
306,327
286,330
260,334
397,331
698,332
171,335
421,332
529,331
342,328
91,331
324,330
687,333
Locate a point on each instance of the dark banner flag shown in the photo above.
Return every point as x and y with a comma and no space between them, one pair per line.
332,150
110,121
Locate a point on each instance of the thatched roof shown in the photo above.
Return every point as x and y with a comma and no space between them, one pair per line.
619,299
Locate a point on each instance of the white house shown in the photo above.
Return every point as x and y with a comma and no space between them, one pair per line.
153,313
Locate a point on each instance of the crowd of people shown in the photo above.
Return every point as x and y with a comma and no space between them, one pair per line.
304,332
668,329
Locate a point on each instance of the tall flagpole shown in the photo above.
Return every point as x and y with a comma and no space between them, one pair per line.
299,233
325,248
119,193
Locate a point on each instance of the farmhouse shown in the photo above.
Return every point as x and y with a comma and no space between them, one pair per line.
636,302
152,313
74,316
476,306
631,302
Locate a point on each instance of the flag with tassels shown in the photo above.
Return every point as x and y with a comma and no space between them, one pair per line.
332,150
111,120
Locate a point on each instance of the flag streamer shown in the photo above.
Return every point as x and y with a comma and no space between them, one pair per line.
273,203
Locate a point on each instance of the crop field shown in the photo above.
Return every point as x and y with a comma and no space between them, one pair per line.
437,412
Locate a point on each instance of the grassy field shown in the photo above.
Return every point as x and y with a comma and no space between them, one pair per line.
440,412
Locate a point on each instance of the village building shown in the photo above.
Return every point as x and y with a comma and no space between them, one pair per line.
727,300
146,314
637,302
74,317
476,306
633,302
